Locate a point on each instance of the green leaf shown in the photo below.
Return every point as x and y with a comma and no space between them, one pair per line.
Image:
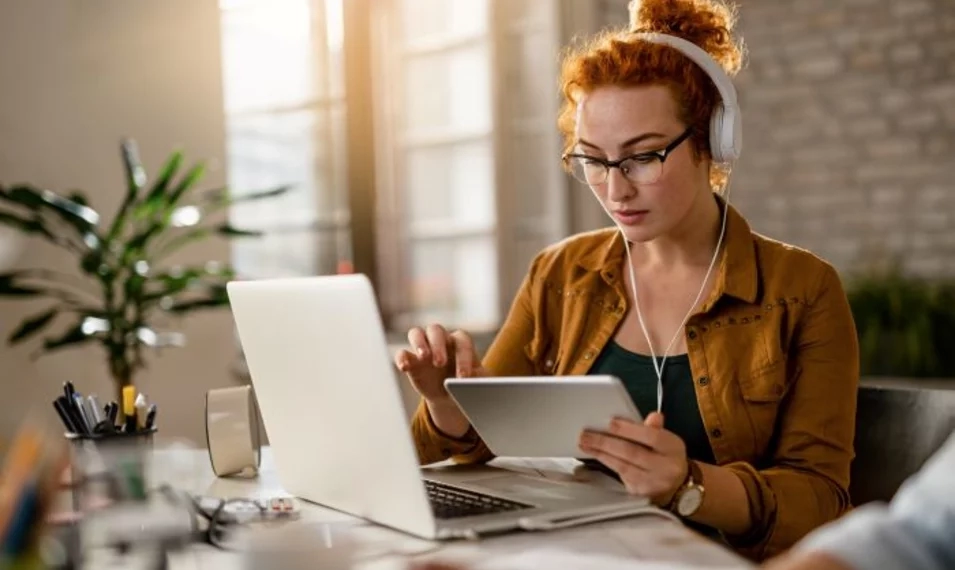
159,209
153,201
73,336
8,287
217,296
181,279
197,234
227,230
33,325
188,181
221,198
135,180
182,240
34,226
81,217
79,197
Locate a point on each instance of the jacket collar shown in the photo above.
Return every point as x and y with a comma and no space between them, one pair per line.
737,272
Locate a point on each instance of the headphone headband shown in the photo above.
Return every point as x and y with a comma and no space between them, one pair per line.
725,124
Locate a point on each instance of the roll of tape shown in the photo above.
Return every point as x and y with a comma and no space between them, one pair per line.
232,432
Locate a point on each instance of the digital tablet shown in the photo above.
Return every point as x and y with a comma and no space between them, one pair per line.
544,416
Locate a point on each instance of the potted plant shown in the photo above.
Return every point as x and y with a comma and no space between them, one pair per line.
124,286
906,325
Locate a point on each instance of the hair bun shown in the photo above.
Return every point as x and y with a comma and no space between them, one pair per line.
706,23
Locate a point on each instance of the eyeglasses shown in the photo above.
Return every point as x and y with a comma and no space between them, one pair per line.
642,168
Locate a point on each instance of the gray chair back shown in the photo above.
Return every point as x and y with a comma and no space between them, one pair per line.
899,425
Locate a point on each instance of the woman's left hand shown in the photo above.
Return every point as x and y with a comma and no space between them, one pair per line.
650,460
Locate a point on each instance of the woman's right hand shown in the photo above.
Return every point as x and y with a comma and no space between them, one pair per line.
434,355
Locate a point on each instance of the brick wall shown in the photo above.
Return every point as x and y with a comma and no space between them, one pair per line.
849,128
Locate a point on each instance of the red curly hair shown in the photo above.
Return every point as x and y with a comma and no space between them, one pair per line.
616,57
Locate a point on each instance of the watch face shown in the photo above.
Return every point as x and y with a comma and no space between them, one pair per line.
690,501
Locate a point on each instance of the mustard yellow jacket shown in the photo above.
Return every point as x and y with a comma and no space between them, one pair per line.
773,350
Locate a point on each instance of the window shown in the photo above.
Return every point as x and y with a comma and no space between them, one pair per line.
285,123
474,150
467,179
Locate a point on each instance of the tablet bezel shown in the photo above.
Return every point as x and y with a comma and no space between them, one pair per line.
508,415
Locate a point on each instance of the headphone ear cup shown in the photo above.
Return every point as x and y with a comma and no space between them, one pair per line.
717,138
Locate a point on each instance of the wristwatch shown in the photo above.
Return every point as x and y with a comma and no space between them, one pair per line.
689,496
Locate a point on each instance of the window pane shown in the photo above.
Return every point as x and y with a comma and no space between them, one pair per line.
423,18
455,282
265,151
286,254
451,183
449,90
267,53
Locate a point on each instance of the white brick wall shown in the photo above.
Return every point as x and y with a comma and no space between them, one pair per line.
849,113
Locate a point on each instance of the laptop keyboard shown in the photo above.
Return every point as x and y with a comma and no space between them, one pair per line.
449,502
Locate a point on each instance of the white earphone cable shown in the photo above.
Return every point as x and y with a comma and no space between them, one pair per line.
658,367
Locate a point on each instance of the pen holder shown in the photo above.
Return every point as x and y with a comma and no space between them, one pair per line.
110,467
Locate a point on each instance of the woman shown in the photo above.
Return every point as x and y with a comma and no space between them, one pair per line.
748,342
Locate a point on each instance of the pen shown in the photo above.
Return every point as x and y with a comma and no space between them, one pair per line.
64,415
112,412
95,408
81,412
151,416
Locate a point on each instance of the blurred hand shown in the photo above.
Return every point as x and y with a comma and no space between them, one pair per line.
435,355
650,460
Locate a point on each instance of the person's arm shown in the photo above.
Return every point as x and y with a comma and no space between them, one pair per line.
805,484
456,439
916,530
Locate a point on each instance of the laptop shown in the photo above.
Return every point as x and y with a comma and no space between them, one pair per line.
331,405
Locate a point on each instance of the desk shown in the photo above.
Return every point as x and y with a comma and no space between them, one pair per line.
647,538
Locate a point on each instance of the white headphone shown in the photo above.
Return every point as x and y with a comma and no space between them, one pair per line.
726,130
726,142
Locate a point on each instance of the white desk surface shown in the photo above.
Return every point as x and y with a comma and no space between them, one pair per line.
642,542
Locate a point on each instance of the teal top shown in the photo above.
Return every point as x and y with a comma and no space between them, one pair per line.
681,411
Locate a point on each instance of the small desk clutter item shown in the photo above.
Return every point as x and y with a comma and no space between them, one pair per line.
232,432
85,418
29,480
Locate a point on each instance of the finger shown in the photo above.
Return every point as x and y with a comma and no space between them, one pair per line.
438,340
632,477
419,342
654,420
639,433
465,356
405,360
626,451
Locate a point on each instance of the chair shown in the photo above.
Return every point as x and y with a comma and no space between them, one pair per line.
899,425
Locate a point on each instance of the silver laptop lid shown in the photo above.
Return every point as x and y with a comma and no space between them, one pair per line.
331,406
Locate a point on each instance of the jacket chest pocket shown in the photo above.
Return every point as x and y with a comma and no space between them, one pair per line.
763,391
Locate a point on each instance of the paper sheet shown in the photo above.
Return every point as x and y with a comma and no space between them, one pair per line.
567,560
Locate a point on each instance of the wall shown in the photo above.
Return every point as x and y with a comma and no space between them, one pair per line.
78,76
849,128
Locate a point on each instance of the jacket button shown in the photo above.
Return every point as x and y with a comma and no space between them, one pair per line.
588,355
549,364
704,380
717,433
